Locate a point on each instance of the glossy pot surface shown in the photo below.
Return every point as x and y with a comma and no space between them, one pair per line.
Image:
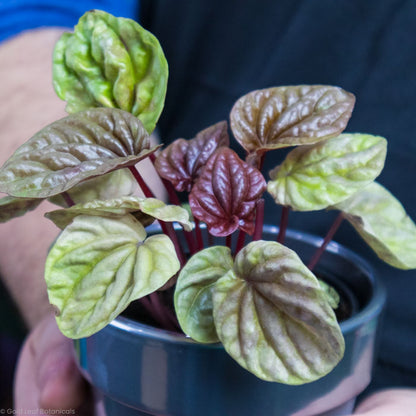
140,370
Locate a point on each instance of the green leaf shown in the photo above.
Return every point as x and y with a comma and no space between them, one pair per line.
273,317
119,207
111,185
72,150
99,265
382,222
111,62
331,293
287,116
11,207
317,176
193,293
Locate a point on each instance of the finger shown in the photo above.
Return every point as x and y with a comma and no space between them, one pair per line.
54,382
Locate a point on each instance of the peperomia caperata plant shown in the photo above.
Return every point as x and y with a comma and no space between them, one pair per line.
267,308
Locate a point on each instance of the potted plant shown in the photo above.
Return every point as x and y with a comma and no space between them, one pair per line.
262,336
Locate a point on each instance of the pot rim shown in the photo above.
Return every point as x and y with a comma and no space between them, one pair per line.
372,309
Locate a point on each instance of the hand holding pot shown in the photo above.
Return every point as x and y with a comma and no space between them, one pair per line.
47,376
389,403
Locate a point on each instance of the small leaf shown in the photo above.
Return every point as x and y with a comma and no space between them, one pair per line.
99,265
317,176
287,116
11,207
111,62
382,222
72,150
331,293
119,207
225,195
193,293
273,317
182,162
111,185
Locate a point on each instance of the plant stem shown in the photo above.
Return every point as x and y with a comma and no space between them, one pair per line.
69,201
198,234
284,220
331,232
168,229
229,240
258,229
240,241
143,186
174,199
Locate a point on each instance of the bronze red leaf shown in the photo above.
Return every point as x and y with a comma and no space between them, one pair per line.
182,162
225,195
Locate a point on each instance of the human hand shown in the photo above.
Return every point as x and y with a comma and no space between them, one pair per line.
47,376
393,402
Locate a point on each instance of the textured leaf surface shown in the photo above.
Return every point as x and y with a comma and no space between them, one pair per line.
111,185
140,208
99,265
384,224
111,62
182,162
274,318
317,176
193,293
287,116
225,195
11,207
73,149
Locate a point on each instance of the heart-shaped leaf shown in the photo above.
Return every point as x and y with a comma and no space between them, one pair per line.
73,149
193,293
111,62
99,265
11,207
182,162
286,116
140,208
273,317
317,176
111,185
383,223
225,195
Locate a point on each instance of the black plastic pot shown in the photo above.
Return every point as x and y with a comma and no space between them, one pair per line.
140,370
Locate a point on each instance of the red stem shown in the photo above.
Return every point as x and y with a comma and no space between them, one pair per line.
69,201
168,229
316,257
258,229
174,199
228,241
284,220
240,241
198,234
143,186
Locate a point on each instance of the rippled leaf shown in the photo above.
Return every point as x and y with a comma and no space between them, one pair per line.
317,176
286,116
384,224
140,208
182,162
273,317
111,185
225,195
193,293
111,62
11,207
99,265
73,149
